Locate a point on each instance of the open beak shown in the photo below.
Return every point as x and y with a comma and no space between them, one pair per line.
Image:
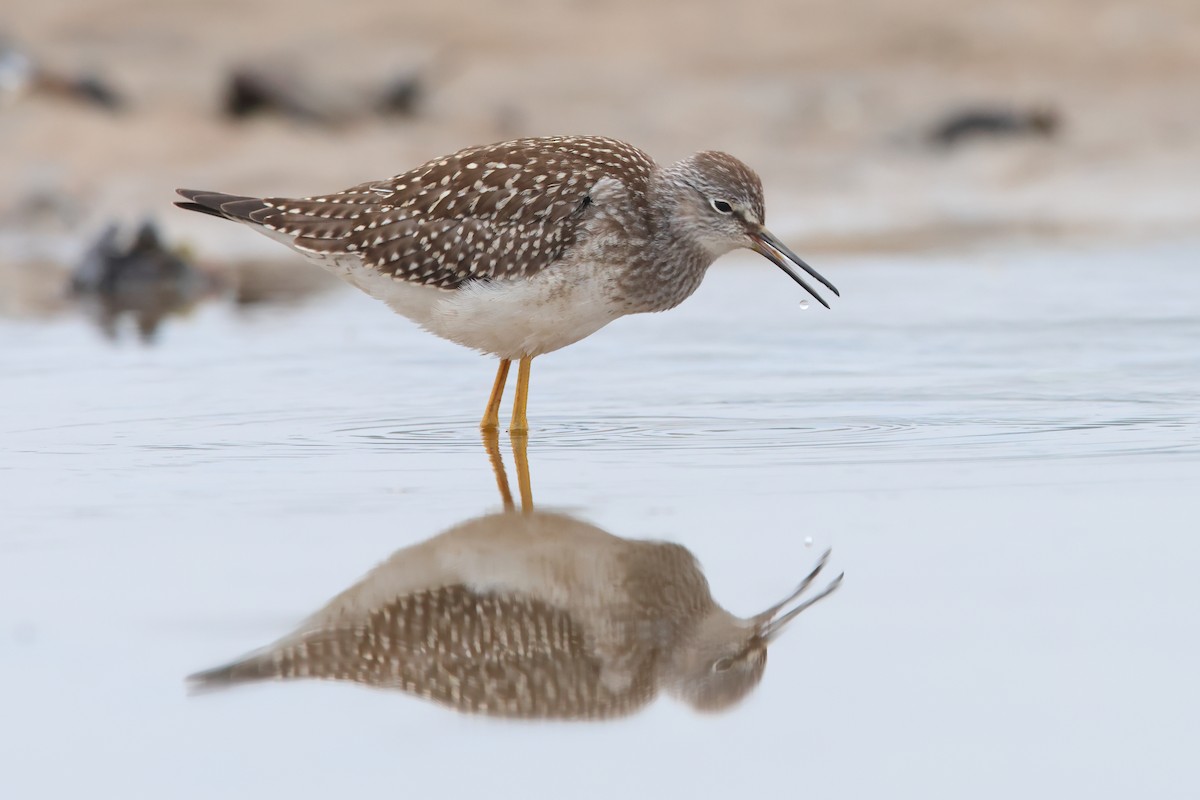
770,626
765,243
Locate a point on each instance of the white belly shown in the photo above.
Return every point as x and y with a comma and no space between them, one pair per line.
510,319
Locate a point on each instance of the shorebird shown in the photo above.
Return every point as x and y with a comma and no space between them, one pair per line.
533,615
520,248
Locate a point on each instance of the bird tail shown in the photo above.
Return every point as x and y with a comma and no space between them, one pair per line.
218,204
247,670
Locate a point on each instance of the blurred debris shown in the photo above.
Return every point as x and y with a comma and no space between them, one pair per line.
134,275
975,123
21,76
142,279
87,87
402,95
263,90
284,90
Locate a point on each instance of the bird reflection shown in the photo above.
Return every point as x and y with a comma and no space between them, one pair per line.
535,615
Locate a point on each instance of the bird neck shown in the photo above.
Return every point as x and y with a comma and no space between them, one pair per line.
672,264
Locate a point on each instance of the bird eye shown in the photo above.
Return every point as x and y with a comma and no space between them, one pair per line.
722,664
721,206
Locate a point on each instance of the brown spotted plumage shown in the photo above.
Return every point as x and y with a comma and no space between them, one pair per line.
531,615
524,247
499,211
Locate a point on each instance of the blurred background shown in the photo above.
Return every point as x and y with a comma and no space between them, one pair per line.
995,427
876,126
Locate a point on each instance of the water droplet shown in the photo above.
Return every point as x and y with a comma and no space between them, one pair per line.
803,305
808,541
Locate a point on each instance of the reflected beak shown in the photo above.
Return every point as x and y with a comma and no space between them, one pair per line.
770,627
765,243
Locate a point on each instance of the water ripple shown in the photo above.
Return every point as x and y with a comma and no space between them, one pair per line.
835,440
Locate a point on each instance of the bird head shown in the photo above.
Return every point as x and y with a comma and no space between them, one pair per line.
720,206
724,657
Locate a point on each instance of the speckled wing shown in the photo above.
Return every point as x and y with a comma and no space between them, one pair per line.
503,655
499,211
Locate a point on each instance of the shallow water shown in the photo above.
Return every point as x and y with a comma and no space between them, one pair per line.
1002,449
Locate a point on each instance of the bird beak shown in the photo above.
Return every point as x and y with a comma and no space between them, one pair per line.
764,243
770,627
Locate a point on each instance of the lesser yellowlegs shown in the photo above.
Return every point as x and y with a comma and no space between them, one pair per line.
521,248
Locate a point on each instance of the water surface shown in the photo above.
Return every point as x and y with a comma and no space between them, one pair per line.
1002,449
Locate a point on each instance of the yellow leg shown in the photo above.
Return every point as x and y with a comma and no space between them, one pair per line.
520,444
520,423
491,417
491,443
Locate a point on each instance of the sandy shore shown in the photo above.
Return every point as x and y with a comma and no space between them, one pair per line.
829,100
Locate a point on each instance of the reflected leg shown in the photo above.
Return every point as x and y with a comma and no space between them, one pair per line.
520,444
491,443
